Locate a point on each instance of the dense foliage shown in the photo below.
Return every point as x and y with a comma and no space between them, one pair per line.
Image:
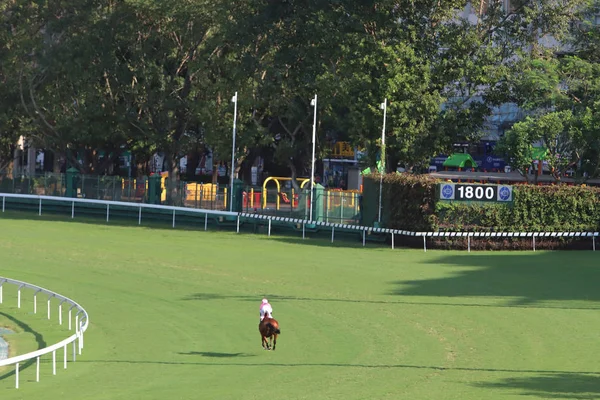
411,203
149,75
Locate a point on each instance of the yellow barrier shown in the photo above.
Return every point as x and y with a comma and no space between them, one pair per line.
201,191
276,179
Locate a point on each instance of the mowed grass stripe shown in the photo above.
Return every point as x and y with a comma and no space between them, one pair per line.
174,315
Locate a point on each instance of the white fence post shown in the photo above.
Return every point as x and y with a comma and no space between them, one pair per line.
40,209
49,297
332,233
17,375
393,240
173,218
140,216
107,211
72,210
593,247
205,222
19,297
269,227
54,362
364,237
469,243
424,244
3,201
37,369
238,224
534,243
65,356
35,302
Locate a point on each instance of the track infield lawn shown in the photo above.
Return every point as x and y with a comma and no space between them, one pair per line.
174,315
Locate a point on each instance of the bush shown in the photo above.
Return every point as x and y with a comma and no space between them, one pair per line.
410,203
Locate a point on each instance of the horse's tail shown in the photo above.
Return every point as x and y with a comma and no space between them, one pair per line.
275,328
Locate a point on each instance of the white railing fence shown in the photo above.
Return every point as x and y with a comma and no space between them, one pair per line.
303,223
75,312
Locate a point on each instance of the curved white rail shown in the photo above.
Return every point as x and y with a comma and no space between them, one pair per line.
81,325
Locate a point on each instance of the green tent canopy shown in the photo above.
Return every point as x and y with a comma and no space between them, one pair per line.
460,160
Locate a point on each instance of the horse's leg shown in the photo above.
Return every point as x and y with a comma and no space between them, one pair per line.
274,340
263,341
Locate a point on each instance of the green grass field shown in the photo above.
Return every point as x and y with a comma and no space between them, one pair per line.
174,315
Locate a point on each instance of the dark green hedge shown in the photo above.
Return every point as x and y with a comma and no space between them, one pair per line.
410,203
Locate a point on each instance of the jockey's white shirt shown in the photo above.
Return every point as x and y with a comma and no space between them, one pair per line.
265,307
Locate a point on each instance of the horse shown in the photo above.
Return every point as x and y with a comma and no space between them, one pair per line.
268,328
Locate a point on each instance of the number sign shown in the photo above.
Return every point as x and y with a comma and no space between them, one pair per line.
475,192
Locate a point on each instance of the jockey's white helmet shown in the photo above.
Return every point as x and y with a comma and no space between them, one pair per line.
265,301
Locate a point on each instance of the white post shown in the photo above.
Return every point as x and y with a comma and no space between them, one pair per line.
469,243
173,218
238,224
65,356
72,210
205,221
107,211
37,370
40,209
49,297
593,247
140,216
35,303
269,227
235,101
80,339
17,375
382,157
303,230
1,294
364,238
393,240
19,298
332,232
424,244
54,362
313,103
60,313
76,323
3,201
74,356
534,243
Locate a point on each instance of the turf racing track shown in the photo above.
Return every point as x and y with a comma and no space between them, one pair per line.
175,316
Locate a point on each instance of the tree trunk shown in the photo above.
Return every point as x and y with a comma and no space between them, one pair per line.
294,176
172,183
56,162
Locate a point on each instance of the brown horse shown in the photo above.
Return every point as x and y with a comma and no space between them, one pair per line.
268,328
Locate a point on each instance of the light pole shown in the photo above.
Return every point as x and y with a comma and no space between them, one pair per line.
234,99
313,103
383,106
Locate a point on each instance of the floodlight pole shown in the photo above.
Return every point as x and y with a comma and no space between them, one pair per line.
383,106
234,100
313,103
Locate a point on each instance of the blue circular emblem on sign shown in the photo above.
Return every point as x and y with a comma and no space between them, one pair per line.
504,193
447,191
489,159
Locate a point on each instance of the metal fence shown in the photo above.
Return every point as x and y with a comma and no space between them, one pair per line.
335,206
